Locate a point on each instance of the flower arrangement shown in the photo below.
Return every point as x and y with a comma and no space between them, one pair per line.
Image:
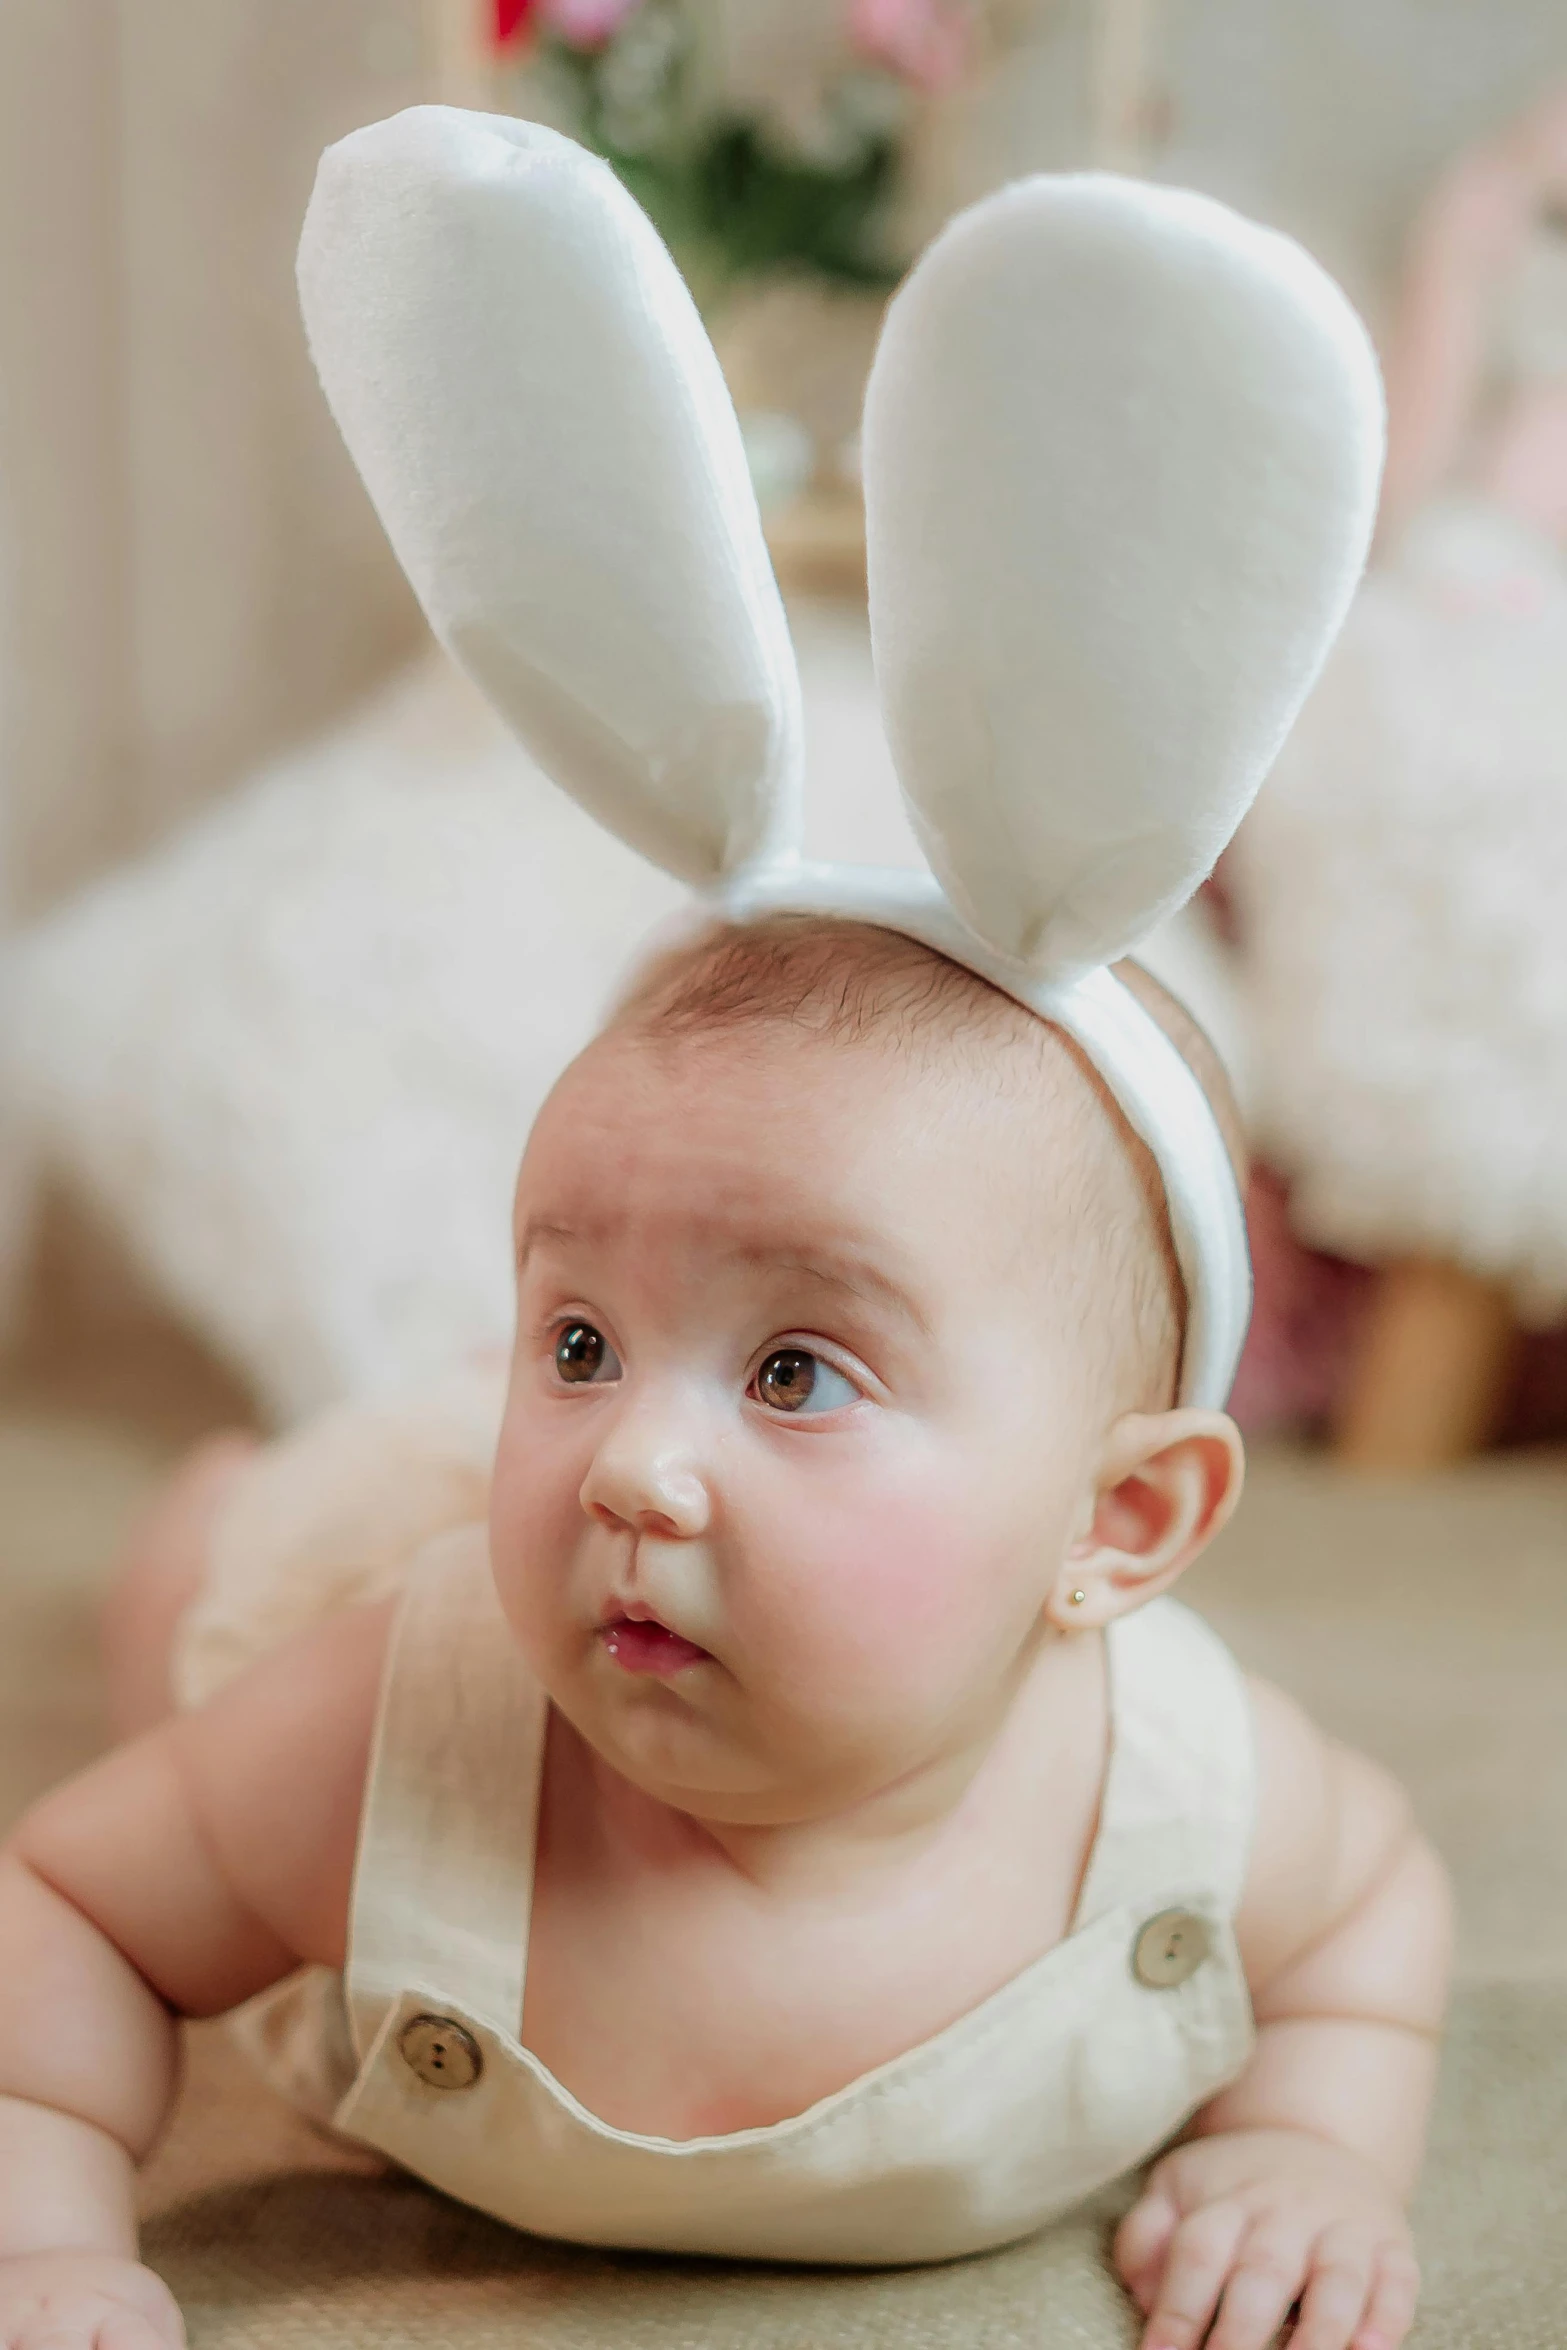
738,195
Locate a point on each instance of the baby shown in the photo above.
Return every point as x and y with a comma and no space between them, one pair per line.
800,1825
906,1863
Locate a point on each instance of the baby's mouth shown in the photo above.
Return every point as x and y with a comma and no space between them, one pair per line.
639,1643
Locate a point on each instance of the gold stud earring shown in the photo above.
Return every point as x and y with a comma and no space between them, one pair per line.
1078,1598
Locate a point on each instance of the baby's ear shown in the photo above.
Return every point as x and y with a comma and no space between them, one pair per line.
1121,457
1167,1484
527,389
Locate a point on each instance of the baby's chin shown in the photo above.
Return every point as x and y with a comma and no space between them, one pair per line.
695,1745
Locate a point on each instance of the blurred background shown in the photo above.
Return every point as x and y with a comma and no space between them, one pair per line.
195,590
283,957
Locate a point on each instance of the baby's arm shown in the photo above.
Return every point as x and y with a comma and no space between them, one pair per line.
176,1877
1291,2185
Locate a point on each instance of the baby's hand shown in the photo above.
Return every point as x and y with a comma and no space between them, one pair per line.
1232,2231
85,2301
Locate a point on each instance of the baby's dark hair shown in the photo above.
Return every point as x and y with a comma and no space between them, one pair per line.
851,983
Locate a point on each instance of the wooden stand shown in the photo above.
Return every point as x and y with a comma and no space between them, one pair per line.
458,59
817,543
1431,1379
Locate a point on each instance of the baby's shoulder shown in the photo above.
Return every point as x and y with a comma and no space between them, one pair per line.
275,1768
1326,1815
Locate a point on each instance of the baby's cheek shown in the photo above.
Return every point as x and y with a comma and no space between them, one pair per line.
897,1593
509,1516
535,1516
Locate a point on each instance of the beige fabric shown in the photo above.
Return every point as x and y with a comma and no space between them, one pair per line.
443,1883
302,2259
1009,2117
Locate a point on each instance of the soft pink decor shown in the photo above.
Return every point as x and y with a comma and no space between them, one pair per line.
924,41
1398,888
1480,273
1304,1325
585,24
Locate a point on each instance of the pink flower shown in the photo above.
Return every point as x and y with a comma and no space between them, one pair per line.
586,24
926,42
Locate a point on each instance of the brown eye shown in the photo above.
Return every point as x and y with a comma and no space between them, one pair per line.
787,1380
581,1354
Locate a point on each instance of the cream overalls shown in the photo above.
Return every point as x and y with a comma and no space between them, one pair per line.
1078,2068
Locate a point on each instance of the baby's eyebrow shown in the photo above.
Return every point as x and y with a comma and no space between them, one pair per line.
845,1270
542,1228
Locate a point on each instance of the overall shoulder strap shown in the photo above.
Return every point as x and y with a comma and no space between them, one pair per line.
1180,1792
443,1880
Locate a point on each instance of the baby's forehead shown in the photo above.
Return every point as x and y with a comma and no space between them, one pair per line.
839,1030
734,1129
787,1070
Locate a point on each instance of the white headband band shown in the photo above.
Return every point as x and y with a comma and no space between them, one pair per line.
1121,456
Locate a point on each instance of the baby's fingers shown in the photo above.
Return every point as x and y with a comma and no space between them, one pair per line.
1334,2302
1395,2289
128,2330
115,2329
1201,2255
1267,2276
1141,2242
92,2324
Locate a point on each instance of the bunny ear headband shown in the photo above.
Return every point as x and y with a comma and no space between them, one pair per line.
1121,454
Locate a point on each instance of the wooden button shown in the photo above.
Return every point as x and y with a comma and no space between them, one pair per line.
442,2054
1170,1949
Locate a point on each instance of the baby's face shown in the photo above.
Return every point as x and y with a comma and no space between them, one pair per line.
798,1431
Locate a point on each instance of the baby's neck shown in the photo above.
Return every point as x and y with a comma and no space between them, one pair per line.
1021,1757
689,1975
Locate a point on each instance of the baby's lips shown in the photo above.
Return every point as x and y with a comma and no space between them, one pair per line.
641,1644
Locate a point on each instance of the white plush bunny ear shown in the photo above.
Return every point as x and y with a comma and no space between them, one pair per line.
1121,460
525,385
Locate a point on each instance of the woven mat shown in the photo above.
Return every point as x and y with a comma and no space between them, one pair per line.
322,2257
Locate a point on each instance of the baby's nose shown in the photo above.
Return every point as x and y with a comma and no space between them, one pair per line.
649,1484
